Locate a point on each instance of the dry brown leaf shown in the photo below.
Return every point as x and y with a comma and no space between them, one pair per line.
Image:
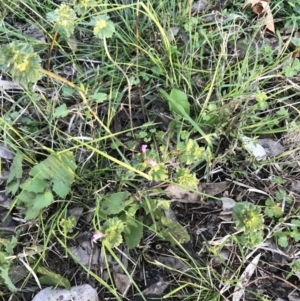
122,282
184,196
244,279
263,11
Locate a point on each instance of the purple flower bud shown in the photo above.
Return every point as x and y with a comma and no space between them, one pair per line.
143,149
151,162
97,236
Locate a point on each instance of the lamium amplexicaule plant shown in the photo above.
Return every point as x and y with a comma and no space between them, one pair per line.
54,176
57,173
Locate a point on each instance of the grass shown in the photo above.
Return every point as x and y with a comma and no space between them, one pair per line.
239,82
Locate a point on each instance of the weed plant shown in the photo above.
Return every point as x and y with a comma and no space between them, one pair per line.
114,100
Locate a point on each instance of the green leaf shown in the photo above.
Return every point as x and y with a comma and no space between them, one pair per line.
291,67
112,229
102,27
283,241
50,278
83,6
13,187
40,202
58,167
99,97
280,195
295,222
269,212
273,209
68,91
296,236
114,203
64,19
134,234
4,276
9,247
159,172
20,60
131,211
26,198
174,232
191,152
61,111
250,240
3,262
62,187
177,101
184,177
247,217
282,112
15,170
179,98
182,112
35,185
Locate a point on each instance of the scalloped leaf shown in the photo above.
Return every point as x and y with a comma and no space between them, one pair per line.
133,234
247,217
283,241
64,19
20,60
103,28
83,6
114,203
41,201
58,168
4,276
113,229
191,152
15,171
159,172
35,185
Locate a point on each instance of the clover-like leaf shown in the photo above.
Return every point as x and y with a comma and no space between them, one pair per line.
103,28
20,60
64,19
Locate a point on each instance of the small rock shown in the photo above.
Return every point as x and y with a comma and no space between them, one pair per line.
6,152
199,6
79,293
273,148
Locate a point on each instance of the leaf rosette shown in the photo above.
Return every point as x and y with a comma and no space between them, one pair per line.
20,60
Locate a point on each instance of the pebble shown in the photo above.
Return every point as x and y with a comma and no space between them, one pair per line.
79,293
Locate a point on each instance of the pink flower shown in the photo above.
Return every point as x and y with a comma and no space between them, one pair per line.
151,162
97,236
143,148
